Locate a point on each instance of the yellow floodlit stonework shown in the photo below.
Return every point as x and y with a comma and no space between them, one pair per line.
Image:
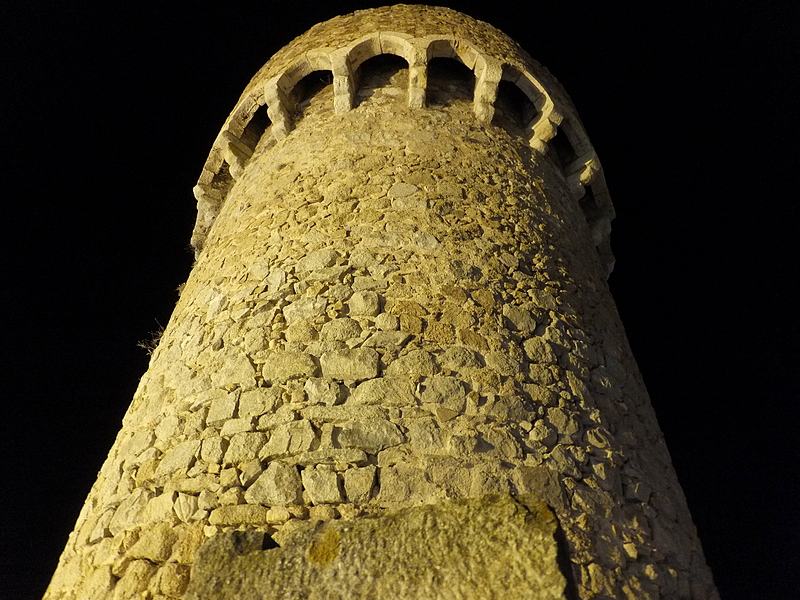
395,370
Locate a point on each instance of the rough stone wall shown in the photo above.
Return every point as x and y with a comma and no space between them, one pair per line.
487,548
394,306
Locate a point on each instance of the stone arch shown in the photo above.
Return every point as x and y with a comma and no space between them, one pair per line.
448,78
403,46
541,129
375,73
256,127
448,47
377,44
306,88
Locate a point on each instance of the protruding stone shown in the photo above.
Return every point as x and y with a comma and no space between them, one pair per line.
415,364
322,391
448,392
185,506
364,304
386,391
520,319
358,483
290,438
350,365
221,409
305,309
181,456
318,260
281,365
279,484
371,435
539,351
341,329
155,543
322,485
244,447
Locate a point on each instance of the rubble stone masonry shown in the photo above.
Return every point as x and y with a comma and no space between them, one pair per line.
399,300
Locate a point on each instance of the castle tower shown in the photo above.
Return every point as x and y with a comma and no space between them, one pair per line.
398,316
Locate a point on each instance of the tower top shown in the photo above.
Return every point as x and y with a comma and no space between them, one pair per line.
270,105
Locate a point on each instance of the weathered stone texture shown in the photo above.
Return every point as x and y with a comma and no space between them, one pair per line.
495,547
399,299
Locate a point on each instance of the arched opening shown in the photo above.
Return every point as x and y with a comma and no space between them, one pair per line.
449,81
309,87
384,72
222,180
256,127
513,110
561,150
588,204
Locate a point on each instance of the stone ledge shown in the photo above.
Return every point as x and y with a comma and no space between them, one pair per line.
491,547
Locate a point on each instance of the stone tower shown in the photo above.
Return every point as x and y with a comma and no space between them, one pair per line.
395,370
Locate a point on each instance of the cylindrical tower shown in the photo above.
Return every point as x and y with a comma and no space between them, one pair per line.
399,299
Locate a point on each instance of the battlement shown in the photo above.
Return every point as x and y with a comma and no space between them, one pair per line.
336,50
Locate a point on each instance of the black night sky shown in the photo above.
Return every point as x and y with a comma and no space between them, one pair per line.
108,111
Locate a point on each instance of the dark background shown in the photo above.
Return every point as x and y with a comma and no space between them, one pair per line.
109,110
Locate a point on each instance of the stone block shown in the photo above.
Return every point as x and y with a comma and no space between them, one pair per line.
339,457
371,435
173,578
181,456
290,438
281,365
254,403
244,447
213,449
449,392
518,318
250,472
154,544
456,358
278,485
322,391
234,426
301,331
502,363
425,437
364,304
130,511
136,579
387,322
343,413
415,364
401,190
386,339
358,483
305,309
350,365
539,351
322,485
318,259
386,391
238,514
168,427
432,551
236,371
340,329
221,409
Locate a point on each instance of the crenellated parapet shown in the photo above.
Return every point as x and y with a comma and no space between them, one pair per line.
269,107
